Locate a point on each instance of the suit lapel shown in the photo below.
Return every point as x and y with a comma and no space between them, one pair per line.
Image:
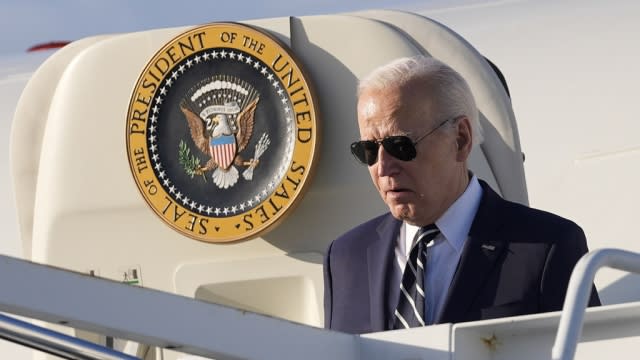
380,256
483,249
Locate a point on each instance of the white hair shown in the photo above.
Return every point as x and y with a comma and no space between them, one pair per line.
453,94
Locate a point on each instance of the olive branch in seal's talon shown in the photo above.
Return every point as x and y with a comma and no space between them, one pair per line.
189,162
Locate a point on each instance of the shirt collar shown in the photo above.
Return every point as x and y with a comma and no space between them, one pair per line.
456,222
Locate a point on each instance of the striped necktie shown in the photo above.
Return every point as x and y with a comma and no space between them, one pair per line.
410,310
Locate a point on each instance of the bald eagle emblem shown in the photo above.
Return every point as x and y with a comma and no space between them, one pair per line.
220,115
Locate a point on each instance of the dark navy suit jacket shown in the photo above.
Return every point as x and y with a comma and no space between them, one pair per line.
516,261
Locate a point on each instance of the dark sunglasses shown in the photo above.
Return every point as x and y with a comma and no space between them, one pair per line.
400,147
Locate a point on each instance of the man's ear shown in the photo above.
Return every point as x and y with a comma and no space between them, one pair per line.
464,139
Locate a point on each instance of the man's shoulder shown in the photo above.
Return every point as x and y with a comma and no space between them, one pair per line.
523,218
536,216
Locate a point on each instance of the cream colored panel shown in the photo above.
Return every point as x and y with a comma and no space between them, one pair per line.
27,131
288,287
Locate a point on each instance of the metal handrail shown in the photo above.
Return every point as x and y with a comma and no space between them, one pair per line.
55,343
579,291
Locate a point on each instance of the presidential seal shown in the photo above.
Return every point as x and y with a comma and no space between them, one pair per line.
222,132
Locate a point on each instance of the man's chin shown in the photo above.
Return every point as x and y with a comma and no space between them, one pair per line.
403,212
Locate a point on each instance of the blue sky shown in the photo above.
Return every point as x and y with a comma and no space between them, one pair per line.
24,23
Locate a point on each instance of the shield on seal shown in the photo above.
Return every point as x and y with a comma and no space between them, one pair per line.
223,150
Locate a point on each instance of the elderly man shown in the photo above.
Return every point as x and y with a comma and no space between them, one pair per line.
450,249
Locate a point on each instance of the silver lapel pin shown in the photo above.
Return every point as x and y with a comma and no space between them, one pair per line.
488,247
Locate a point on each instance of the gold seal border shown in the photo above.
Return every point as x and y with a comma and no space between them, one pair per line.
287,194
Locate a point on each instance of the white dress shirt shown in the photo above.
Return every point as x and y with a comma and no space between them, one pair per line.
444,251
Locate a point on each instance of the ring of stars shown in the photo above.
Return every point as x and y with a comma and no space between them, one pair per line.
261,194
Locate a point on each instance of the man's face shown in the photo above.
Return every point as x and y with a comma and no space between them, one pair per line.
420,190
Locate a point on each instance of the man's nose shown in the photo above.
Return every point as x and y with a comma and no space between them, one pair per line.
387,164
